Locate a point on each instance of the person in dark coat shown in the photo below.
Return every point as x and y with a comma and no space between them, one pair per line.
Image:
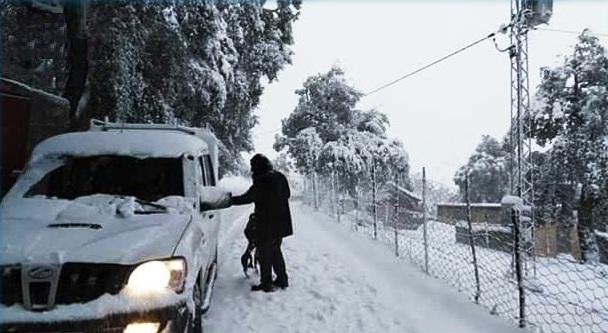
270,194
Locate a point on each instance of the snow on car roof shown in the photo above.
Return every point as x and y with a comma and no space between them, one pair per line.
140,143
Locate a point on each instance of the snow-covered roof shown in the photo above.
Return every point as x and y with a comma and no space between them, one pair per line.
140,143
12,86
405,191
476,204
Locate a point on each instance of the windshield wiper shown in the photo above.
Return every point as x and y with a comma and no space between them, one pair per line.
150,203
160,208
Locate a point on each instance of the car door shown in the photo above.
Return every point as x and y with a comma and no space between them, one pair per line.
197,239
213,217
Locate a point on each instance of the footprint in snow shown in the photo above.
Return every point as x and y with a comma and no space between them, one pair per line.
372,289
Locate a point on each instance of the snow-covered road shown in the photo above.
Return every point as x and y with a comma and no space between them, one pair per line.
340,281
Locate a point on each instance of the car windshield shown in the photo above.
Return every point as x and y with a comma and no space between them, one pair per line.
148,179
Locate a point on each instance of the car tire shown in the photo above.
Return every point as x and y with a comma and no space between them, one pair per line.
195,318
208,280
215,261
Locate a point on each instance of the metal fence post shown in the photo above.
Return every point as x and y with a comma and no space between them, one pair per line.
387,213
518,267
314,191
472,240
396,217
332,193
357,204
424,223
338,200
374,199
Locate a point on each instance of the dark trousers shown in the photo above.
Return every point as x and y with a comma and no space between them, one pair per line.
271,258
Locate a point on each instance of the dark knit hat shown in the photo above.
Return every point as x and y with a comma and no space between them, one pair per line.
260,164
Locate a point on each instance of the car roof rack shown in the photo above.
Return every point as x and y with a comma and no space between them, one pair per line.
105,125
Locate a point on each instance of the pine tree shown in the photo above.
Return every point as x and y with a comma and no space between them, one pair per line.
487,171
571,118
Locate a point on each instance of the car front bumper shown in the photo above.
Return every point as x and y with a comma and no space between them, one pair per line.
170,319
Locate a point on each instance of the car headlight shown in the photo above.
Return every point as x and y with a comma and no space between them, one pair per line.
158,275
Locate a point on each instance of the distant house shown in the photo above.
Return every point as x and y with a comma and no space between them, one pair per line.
398,206
28,117
393,194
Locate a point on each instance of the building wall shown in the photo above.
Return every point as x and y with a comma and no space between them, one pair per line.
546,240
28,117
480,213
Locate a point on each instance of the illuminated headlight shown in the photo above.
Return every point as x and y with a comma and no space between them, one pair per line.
158,275
142,328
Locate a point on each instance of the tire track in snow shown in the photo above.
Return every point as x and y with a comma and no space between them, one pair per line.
322,296
339,282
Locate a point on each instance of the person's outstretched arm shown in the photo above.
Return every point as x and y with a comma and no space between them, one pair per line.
245,198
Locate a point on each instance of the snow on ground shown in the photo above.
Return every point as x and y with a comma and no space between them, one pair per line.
561,296
340,281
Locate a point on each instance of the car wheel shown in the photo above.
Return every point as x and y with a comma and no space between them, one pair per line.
209,283
216,263
195,323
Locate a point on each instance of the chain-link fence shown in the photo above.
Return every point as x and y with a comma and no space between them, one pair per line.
487,251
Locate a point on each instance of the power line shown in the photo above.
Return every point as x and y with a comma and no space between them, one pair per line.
429,65
268,132
572,32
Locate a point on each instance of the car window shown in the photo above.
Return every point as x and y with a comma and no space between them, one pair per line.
147,179
203,171
208,169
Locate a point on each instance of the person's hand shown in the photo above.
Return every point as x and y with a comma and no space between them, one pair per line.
215,199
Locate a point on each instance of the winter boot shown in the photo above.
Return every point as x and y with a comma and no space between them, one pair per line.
267,288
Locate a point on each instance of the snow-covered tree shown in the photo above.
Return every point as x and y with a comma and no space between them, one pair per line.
571,118
328,135
283,163
196,63
29,53
304,148
326,103
487,171
436,192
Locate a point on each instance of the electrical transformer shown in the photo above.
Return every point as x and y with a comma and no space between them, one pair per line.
537,11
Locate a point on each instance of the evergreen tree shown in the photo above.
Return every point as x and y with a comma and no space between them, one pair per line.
327,134
571,118
196,63
487,171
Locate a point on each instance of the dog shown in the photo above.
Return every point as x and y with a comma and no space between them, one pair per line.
250,258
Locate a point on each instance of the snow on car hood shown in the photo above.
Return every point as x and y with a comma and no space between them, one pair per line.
97,228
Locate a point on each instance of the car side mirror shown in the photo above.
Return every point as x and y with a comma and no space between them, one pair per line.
213,197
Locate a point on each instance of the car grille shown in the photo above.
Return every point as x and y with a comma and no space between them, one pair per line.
78,283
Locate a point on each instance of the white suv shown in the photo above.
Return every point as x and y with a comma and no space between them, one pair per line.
105,232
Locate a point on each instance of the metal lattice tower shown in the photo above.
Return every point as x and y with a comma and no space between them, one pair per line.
524,15
521,182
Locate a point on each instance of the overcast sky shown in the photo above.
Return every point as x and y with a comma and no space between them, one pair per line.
440,113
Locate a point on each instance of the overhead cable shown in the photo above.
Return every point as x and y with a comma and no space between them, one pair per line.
573,32
429,65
